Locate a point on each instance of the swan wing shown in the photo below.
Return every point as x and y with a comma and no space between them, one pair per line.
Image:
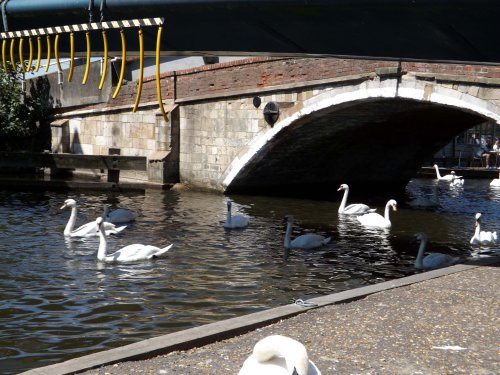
374,219
121,215
237,221
357,208
136,252
309,241
85,230
438,260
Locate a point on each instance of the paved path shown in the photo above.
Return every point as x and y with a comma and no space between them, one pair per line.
446,324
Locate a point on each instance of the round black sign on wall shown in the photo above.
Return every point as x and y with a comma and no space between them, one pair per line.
271,113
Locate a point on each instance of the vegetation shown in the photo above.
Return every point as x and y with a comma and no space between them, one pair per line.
21,115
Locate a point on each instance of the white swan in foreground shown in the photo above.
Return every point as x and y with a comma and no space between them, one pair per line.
432,260
495,181
86,230
376,220
235,221
130,253
354,208
482,237
279,355
120,215
447,177
306,241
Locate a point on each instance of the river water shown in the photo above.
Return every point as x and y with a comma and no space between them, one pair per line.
58,302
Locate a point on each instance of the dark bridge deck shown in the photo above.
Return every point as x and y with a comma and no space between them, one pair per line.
438,30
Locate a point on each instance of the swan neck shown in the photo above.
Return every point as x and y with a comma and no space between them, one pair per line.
419,262
288,234
228,215
105,211
71,222
101,252
437,171
386,212
344,201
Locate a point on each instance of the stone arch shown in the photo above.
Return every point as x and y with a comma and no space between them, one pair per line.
410,90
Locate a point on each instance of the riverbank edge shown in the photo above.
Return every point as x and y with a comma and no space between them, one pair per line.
213,332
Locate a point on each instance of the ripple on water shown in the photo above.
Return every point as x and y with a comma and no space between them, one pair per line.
58,302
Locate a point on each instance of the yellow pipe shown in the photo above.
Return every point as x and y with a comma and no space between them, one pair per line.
87,66
105,62
71,55
158,83
48,54
56,52
38,52
12,61
21,57
122,70
141,71
4,55
30,59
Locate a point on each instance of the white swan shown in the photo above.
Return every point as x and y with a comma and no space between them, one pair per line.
495,181
482,237
235,221
130,253
86,230
376,220
352,209
306,241
278,355
447,177
432,260
120,215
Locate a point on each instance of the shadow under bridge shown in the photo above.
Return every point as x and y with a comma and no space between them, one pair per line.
374,146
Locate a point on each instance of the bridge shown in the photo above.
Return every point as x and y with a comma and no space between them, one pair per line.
289,125
362,92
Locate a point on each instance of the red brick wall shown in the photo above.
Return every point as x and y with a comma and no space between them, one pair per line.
261,72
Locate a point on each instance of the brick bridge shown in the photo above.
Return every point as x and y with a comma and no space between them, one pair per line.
363,122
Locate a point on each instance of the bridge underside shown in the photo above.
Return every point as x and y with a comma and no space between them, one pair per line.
373,146
438,30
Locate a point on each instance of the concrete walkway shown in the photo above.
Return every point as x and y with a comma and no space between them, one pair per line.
437,322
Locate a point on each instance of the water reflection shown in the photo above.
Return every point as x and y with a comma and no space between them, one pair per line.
58,302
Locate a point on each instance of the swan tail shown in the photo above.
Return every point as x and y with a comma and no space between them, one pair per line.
162,251
115,230
326,241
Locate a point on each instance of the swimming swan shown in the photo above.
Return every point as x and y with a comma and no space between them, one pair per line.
278,355
433,260
130,253
482,237
306,241
352,209
495,181
120,215
234,221
447,177
374,219
86,230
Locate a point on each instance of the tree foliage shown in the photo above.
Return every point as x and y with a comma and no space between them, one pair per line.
19,114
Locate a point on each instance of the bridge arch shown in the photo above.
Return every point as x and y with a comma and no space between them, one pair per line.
330,139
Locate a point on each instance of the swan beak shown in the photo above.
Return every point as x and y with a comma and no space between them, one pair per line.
63,206
394,207
340,188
